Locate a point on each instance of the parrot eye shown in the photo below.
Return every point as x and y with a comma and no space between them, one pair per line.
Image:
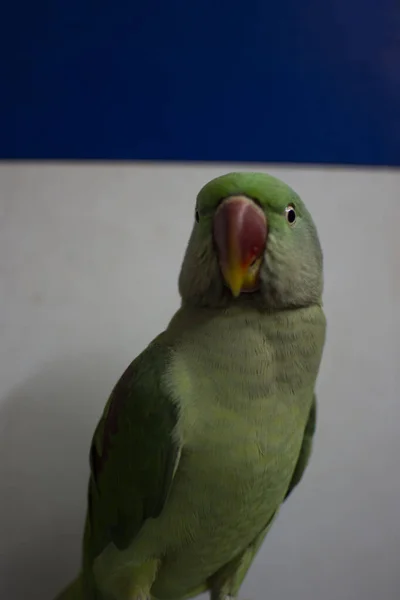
290,214
197,216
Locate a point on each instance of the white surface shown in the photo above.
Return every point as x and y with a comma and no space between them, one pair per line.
89,257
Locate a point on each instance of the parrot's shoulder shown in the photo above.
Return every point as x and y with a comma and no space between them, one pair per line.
135,451
138,392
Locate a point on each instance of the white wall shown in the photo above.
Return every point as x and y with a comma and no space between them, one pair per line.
89,257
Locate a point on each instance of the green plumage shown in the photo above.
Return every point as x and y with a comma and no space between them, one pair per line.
211,427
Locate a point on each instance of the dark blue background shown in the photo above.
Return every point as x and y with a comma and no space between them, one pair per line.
316,81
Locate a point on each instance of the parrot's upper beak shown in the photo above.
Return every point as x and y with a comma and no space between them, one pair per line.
240,234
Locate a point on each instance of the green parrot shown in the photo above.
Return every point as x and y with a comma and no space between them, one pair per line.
210,428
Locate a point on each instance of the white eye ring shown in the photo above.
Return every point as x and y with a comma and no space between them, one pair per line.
290,214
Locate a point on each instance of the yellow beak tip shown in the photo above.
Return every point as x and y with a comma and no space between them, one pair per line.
236,292
235,280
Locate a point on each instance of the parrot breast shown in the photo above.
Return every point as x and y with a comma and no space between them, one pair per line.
244,385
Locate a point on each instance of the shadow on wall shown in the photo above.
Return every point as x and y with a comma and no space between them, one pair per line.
46,426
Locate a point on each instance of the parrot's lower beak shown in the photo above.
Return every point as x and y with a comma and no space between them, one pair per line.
240,234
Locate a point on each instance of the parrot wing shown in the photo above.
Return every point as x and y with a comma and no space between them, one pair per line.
306,447
134,454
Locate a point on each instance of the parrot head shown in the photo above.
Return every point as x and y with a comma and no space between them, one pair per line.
253,240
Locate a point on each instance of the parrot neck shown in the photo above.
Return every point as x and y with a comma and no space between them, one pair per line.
272,350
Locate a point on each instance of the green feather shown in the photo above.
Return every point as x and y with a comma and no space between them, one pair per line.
133,455
306,447
267,190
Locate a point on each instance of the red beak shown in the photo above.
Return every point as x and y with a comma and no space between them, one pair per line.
240,234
